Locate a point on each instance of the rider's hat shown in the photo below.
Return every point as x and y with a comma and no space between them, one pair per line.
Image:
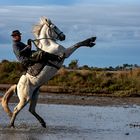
15,32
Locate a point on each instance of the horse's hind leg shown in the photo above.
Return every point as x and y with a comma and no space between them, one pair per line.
33,103
17,109
6,98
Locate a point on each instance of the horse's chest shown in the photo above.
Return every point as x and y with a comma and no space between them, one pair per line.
56,50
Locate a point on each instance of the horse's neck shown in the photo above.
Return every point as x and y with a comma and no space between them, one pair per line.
50,46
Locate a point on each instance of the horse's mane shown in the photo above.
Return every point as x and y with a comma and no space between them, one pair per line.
36,29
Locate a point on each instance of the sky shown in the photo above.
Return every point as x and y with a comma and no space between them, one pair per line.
116,24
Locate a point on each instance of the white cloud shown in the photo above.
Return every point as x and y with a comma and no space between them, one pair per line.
106,21
114,25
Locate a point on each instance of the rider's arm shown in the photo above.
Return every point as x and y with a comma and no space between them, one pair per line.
20,49
25,51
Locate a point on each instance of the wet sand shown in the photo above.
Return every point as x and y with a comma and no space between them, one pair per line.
76,118
68,99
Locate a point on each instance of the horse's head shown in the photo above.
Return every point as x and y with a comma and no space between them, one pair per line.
46,29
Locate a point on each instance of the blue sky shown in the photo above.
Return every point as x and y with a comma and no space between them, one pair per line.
115,23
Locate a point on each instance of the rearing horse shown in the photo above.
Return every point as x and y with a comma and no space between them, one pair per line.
27,89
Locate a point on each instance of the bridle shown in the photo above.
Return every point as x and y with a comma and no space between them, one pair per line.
55,29
50,26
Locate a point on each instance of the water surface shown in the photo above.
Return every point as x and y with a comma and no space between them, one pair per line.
73,122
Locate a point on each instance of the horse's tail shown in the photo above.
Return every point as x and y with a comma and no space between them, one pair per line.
6,98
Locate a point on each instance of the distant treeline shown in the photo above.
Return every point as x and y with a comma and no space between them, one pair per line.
74,65
119,81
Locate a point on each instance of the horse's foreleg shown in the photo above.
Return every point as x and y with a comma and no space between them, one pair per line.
17,109
33,103
69,51
90,42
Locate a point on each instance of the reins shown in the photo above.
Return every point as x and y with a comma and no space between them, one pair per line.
50,63
33,41
42,38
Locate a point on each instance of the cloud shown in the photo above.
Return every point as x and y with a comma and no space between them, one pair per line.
108,22
114,25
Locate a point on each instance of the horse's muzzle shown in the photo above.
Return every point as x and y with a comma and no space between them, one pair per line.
62,37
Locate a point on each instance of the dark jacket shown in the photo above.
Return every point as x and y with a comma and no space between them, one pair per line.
21,51
33,62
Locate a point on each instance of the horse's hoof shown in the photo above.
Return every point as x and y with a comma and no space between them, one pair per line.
43,125
10,114
90,42
11,126
93,39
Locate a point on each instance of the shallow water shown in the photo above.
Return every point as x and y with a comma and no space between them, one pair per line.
69,122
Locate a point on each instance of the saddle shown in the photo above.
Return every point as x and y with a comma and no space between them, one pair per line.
36,68
37,63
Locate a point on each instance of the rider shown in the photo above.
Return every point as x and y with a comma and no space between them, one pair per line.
28,57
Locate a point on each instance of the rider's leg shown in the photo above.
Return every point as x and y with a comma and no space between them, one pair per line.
42,56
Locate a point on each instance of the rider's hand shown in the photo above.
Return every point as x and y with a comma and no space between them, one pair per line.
29,42
59,58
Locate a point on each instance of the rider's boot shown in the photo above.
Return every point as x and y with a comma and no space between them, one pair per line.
41,56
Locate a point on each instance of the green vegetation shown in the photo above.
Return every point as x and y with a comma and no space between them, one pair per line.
120,81
10,72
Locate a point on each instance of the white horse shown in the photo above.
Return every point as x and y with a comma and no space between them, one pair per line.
27,89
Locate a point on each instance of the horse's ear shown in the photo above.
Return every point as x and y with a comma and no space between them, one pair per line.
42,20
